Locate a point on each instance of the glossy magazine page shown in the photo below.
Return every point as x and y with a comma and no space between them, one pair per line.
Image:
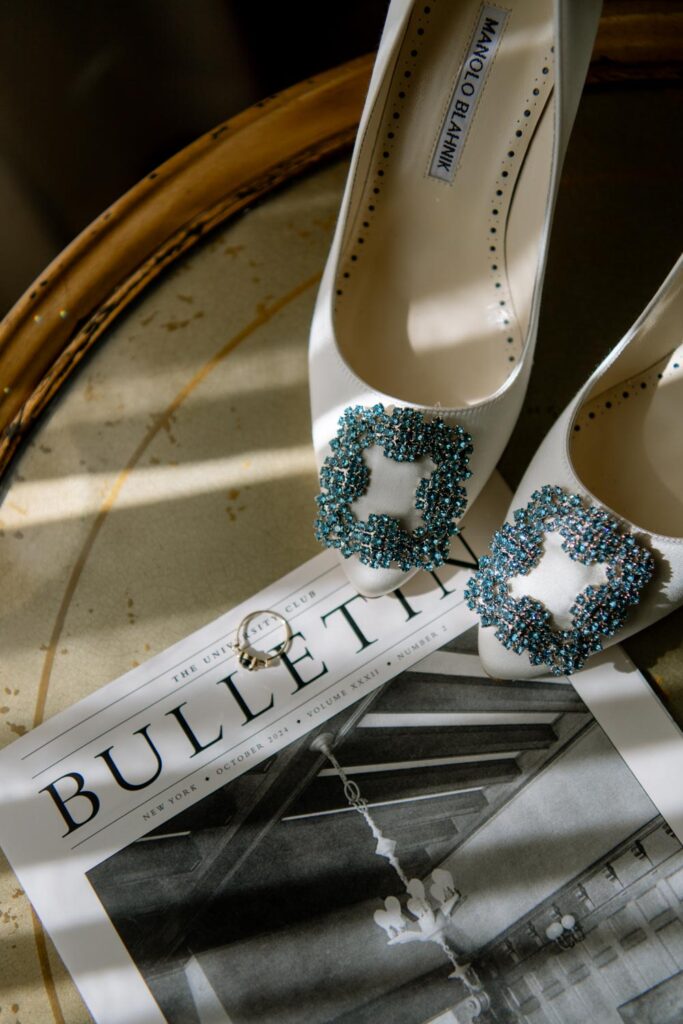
477,851
369,830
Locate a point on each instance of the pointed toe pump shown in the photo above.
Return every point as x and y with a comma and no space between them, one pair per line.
425,322
592,549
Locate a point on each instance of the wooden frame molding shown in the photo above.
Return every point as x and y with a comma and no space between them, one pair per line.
57,321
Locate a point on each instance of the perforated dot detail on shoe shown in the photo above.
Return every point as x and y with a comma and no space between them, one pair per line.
392,126
515,152
666,369
359,246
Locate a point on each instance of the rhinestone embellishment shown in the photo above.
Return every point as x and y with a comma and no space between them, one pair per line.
404,435
589,535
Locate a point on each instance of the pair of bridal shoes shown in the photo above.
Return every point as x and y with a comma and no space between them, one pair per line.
423,338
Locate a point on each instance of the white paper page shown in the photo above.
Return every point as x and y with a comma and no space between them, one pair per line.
104,773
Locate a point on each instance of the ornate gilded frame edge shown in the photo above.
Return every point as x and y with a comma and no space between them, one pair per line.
89,284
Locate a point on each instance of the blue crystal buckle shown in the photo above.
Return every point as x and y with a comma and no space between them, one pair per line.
590,535
404,435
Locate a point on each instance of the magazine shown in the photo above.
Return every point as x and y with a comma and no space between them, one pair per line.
371,830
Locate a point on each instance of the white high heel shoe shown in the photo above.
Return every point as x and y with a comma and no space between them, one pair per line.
596,551
430,296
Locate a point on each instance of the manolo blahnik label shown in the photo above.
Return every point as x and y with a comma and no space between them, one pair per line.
468,88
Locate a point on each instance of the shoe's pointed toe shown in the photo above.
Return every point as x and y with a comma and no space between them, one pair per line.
500,663
373,582
561,579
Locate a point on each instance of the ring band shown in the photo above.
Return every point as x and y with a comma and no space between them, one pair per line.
252,659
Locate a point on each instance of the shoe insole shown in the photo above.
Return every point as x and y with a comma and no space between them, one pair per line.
627,446
440,258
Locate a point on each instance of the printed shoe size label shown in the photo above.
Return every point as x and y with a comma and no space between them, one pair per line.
468,88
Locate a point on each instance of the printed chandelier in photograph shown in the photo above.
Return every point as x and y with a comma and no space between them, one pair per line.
427,916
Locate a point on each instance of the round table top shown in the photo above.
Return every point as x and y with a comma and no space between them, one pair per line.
173,478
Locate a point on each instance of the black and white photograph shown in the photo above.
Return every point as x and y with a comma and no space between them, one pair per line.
453,849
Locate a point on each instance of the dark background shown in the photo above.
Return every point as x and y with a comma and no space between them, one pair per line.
96,93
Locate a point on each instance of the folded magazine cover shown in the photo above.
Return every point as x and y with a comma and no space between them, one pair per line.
371,830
